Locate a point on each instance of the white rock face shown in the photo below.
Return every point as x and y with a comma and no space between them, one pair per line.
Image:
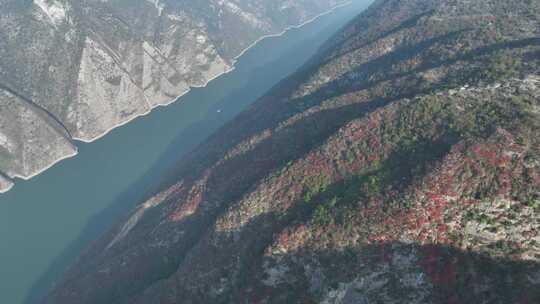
159,6
55,10
245,16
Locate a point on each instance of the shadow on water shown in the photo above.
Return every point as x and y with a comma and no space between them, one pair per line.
274,58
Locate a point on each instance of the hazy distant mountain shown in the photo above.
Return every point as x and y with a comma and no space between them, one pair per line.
74,69
402,165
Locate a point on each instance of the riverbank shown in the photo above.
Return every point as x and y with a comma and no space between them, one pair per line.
10,181
5,184
231,69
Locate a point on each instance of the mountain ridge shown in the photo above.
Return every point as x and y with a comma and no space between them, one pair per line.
401,163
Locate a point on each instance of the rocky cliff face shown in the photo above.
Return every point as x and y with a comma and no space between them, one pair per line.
74,69
402,165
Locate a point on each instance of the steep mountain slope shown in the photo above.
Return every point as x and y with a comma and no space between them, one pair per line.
74,69
401,166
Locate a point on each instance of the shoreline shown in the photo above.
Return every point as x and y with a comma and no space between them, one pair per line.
26,178
14,178
6,190
9,183
292,27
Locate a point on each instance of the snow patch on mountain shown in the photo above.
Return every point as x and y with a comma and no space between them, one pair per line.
159,6
53,9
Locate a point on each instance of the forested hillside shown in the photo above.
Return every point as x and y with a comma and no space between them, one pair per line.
402,165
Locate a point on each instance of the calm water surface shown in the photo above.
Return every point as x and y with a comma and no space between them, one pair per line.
45,222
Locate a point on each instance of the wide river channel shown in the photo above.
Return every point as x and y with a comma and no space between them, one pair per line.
45,222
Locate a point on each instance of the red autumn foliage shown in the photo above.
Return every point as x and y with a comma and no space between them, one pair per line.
187,208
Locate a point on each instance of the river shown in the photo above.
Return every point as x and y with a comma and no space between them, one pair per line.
45,222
